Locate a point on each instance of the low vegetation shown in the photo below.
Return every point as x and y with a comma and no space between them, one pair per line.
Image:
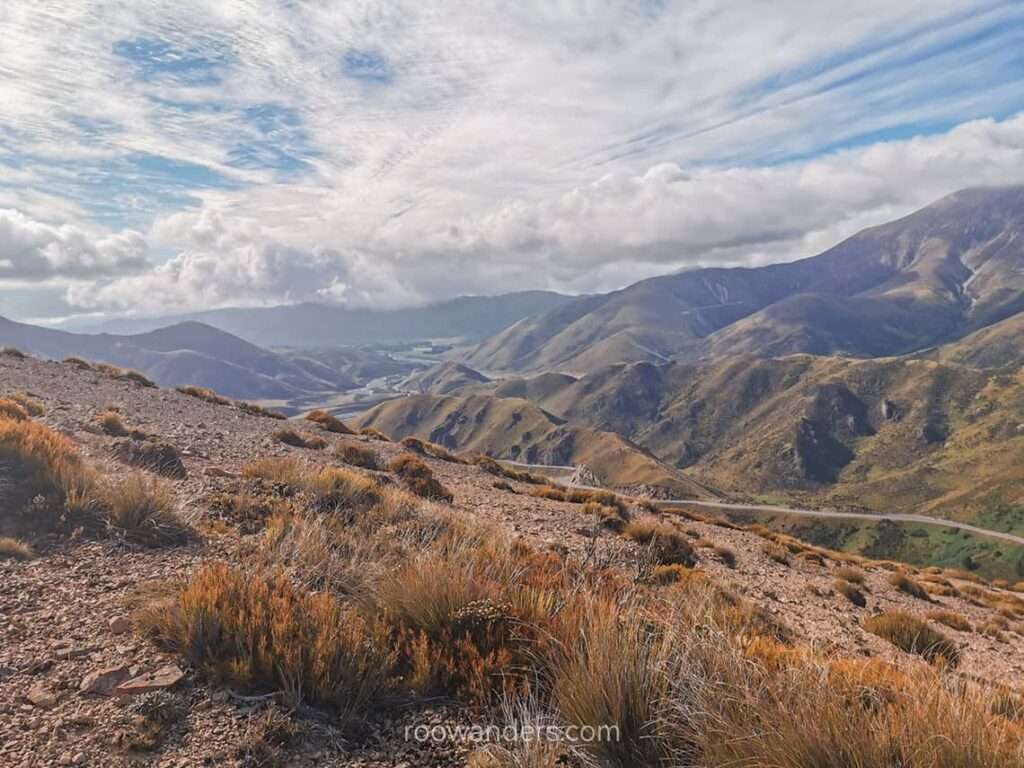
124,374
204,394
111,423
419,478
908,586
427,448
667,545
328,422
153,455
912,635
298,439
142,510
951,619
851,592
358,456
31,405
12,549
494,467
12,410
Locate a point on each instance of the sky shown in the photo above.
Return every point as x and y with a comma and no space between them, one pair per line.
160,157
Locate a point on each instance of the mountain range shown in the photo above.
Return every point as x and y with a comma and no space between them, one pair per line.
932,277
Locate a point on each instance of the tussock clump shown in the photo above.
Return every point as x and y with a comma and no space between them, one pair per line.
43,476
31,405
494,467
77,362
258,410
908,586
374,434
337,488
248,511
951,619
852,575
124,374
725,554
426,448
281,470
9,409
418,478
142,510
111,424
776,552
156,456
358,456
501,485
549,492
299,440
608,517
668,545
328,422
260,633
205,394
14,352
912,635
12,549
851,593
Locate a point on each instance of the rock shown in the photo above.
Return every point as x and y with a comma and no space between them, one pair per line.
158,680
218,472
103,682
584,475
890,411
119,625
42,697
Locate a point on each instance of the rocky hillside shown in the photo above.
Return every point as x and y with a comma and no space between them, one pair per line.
518,430
948,270
291,594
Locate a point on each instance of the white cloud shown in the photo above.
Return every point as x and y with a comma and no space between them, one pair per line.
33,251
391,151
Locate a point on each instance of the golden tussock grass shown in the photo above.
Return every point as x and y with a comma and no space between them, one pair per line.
358,456
908,586
427,448
328,422
205,394
912,635
298,439
142,510
419,478
951,619
112,424
32,406
666,543
258,410
850,592
12,549
9,409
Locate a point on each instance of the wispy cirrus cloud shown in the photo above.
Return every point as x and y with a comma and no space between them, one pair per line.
387,152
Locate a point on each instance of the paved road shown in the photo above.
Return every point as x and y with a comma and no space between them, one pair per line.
831,513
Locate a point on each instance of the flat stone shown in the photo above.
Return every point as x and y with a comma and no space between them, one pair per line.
104,681
158,680
119,625
42,697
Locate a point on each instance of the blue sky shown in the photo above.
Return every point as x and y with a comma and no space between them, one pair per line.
206,153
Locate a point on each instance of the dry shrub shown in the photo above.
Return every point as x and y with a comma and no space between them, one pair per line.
621,668
908,586
427,448
912,635
338,488
549,492
77,362
850,592
358,456
328,422
111,424
852,575
374,434
43,476
9,409
12,549
259,632
142,510
725,554
950,619
258,410
154,455
418,478
608,517
205,394
31,405
297,439
776,552
668,545
280,470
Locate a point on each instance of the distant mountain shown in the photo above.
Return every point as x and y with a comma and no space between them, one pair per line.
326,325
188,353
518,430
443,379
948,270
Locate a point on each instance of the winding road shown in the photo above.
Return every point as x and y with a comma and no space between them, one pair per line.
822,513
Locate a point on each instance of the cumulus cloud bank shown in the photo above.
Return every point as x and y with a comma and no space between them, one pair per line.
211,153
